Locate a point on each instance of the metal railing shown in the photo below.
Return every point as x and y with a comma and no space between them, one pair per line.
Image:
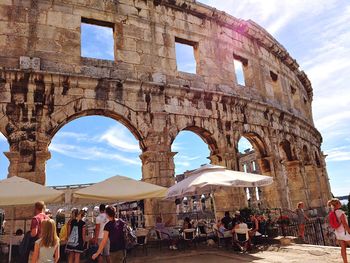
314,231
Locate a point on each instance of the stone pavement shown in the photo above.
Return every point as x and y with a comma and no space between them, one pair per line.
272,254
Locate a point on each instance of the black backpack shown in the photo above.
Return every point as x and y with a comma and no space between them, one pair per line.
130,239
26,245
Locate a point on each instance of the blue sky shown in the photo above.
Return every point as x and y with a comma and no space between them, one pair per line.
316,33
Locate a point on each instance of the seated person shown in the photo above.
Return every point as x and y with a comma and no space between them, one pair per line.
237,217
165,233
255,225
223,230
227,221
17,239
187,223
241,234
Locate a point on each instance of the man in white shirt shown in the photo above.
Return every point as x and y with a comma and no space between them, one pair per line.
101,221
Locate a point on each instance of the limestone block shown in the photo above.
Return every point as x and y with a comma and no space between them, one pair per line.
159,77
29,63
128,56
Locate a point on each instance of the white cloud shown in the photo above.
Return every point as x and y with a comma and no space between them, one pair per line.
73,135
331,120
55,164
121,139
338,154
182,163
177,147
274,15
90,153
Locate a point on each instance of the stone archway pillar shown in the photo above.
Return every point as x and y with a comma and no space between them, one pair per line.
158,168
270,195
235,198
280,175
296,184
29,166
13,157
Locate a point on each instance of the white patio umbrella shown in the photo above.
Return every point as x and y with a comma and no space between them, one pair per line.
19,191
120,188
209,178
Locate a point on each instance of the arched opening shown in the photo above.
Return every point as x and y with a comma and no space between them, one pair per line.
317,160
193,150
250,149
90,149
4,162
306,156
286,151
254,149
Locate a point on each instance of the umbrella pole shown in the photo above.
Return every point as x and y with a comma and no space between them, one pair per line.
214,206
11,232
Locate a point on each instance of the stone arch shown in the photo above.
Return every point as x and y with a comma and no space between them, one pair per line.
204,134
260,147
257,142
286,151
3,123
113,110
317,159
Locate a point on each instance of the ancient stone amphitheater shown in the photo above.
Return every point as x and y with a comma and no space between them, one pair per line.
45,83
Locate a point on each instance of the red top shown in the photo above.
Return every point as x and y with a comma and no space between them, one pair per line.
36,222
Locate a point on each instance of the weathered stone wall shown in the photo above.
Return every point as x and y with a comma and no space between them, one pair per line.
45,83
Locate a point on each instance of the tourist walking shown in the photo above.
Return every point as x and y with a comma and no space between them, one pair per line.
35,230
301,220
101,221
47,248
339,222
76,239
114,232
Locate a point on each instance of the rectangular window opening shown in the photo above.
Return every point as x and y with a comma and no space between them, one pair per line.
254,166
97,40
239,70
185,55
245,168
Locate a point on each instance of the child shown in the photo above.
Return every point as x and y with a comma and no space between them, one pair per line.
46,248
301,220
75,243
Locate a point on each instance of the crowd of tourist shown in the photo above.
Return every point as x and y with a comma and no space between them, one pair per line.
44,242
47,243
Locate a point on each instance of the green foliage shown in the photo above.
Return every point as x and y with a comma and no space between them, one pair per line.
345,208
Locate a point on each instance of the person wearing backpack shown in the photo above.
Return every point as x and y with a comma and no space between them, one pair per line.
76,239
339,223
114,232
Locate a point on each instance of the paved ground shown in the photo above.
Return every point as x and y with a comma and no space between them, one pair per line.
273,254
